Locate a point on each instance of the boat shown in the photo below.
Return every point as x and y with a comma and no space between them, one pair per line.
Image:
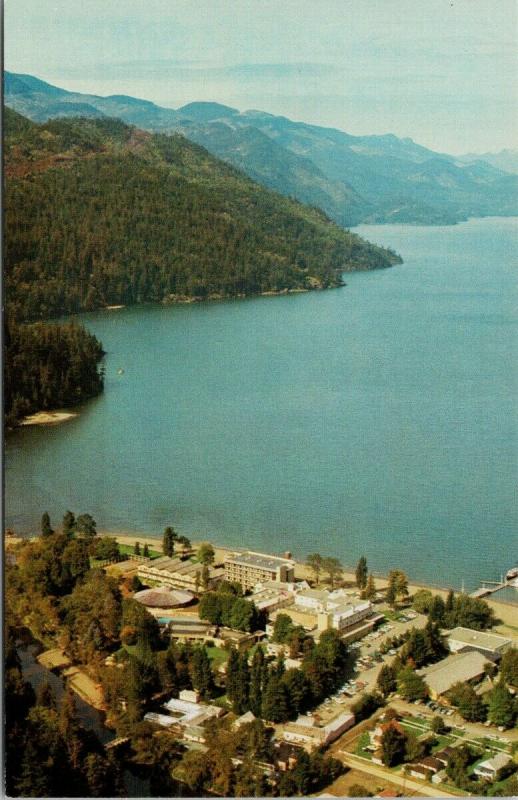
120,371
511,575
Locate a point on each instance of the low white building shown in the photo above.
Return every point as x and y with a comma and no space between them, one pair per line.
269,599
184,713
489,769
344,616
306,733
491,644
339,609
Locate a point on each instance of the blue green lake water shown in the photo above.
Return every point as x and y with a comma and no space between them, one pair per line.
379,419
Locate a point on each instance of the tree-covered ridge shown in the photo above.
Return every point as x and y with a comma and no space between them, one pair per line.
47,366
100,213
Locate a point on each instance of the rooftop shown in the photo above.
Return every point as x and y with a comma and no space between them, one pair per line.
260,560
496,763
454,669
163,597
487,641
315,594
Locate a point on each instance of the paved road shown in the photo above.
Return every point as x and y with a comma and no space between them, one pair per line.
426,790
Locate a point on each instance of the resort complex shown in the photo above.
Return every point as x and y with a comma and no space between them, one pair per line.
258,660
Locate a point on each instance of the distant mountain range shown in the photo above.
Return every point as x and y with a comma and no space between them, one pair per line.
352,178
506,160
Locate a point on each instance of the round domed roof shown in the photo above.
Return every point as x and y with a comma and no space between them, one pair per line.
163,597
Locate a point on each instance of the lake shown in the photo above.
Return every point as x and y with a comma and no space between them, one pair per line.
380,418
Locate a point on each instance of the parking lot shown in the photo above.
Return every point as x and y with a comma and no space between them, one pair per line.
368,664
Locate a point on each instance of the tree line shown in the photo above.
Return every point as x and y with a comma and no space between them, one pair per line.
98,213
47,366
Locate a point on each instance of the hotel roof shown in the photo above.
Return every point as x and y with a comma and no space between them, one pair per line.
259,560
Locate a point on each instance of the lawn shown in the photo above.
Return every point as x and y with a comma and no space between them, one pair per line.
128,549
492,744
217,655
363,742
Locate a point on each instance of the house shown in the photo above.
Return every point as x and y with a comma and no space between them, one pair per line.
444,755
462,667
285,756
488,769
419,771
431,763
250,568
490,645
440,777
244,719
376,735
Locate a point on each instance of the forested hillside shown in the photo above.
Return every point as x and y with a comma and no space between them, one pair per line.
98,212
47,366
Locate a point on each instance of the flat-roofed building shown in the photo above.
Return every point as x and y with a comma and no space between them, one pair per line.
269,599
461,667
179,574
250,568
311,735
491,644
344,616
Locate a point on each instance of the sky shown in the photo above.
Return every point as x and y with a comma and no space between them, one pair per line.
443,72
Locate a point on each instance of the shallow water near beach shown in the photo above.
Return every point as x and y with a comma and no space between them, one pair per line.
379,419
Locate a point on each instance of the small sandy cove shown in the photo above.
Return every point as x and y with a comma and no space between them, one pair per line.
48,417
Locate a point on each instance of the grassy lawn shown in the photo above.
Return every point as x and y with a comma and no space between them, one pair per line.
361,744
492,744
442,742
128,549
393,616
222,701
217,655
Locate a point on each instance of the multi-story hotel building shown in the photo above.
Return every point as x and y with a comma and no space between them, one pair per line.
251,568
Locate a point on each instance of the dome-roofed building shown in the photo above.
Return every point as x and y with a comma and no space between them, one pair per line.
163,597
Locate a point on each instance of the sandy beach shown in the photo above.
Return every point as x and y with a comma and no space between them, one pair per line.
507,613
48,417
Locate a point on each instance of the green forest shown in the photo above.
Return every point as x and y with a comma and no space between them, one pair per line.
98,213
47,366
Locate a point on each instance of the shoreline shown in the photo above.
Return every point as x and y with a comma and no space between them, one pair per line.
505,611
48,418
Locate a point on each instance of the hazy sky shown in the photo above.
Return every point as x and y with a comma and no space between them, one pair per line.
443,72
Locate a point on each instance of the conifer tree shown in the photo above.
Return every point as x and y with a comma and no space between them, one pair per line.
69,523
256,681
46,528
168,541
370,589
361,573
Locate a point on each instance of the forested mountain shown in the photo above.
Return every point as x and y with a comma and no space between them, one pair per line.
48,366
352,178
98,212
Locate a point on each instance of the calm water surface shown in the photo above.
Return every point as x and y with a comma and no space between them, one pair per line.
377,419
